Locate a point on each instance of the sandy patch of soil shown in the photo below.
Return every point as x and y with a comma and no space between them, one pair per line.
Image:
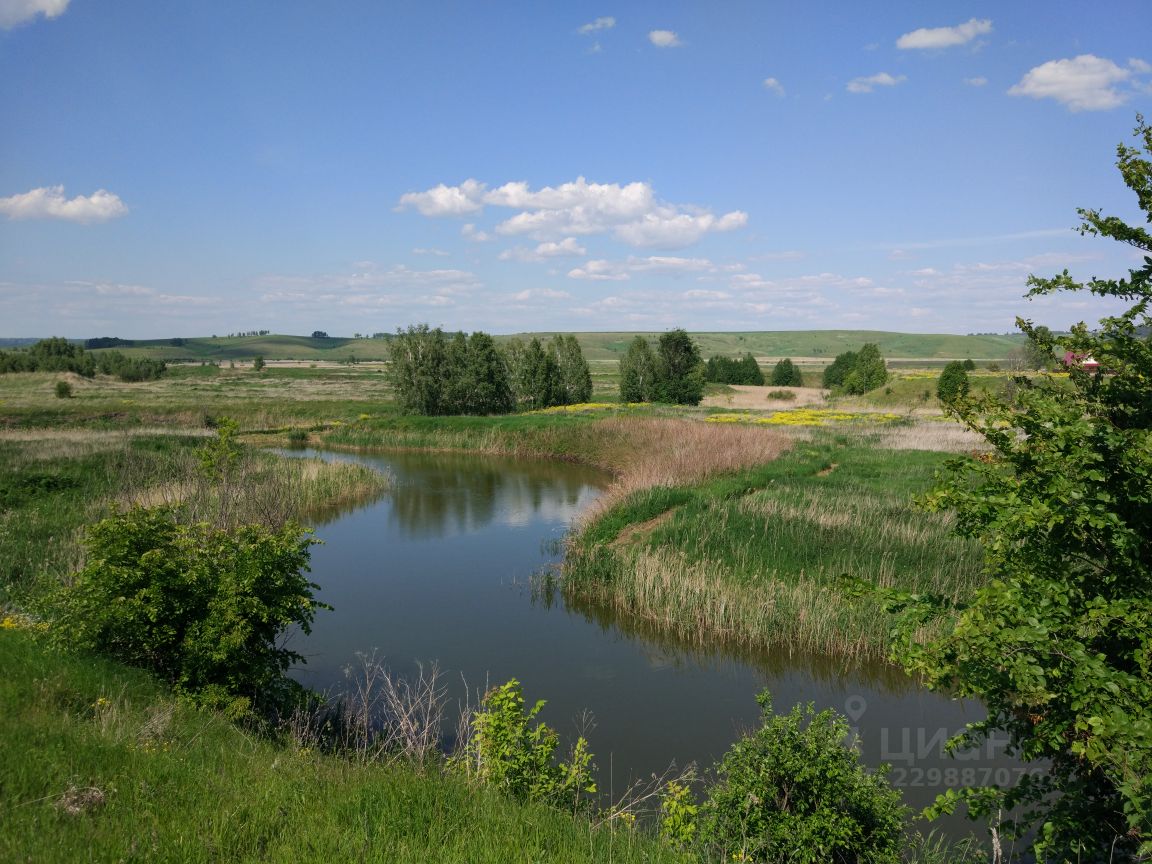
749,397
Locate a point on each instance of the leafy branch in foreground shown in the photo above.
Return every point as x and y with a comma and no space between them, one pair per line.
1058,644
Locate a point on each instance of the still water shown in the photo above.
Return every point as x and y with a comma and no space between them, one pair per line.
440,570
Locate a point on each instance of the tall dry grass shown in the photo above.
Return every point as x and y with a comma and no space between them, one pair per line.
646,452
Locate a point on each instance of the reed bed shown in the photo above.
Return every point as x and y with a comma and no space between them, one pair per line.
758,559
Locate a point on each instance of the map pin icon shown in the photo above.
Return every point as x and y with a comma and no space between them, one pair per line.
854,707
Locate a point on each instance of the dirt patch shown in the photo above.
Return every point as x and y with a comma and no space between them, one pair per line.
750,397
826,471
636,533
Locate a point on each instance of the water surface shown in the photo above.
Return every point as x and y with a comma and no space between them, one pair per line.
440,570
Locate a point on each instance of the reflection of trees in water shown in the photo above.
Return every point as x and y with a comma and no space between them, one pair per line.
439,494
669,649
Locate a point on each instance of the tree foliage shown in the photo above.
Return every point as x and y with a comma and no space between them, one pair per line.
436,374
575,376
679,369
857,372
726,370
792,791
1058,644
638,372
61,355
786,374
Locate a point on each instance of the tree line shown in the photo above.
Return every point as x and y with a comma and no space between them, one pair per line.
437,373
61,355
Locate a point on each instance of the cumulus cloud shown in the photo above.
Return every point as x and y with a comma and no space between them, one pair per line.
48,202
978,81
605,23
446,200
631,212
14,12
945,37
540,293
774,86
1083,83
619,271
871,82
664,39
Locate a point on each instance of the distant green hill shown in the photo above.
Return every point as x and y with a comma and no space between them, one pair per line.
823,344
598,347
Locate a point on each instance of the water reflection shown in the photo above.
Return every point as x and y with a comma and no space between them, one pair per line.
440,570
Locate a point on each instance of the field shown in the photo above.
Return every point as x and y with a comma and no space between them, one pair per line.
812,347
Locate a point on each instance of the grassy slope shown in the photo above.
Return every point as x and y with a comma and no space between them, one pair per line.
602,347
155,780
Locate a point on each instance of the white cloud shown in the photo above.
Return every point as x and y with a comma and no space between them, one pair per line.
631,212
446,200
774,86
540,293
605,23
566,248
13,12
664,39
474,234
1084,83
48,202
978,81
599,271
869,83
945,37
439,253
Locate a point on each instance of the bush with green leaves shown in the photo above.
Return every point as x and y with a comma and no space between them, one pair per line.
1058,644
63,390
679,369
514,751
203,608
794,791
638,372
953,383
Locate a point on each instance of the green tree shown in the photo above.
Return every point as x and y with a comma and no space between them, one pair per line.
417,369
257,363
638,372
953,383
540,377
485,388
785,374
838,370
792,791
679,369
575,376
1058,644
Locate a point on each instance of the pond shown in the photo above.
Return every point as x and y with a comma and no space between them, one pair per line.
441,570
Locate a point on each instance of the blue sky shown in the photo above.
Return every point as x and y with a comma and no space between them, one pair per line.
196,168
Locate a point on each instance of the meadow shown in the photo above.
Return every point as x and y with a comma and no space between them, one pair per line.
732,529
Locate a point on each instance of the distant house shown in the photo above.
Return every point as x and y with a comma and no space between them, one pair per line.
1080,361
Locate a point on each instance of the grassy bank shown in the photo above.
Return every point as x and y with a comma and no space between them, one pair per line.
756,558
110,768
53,483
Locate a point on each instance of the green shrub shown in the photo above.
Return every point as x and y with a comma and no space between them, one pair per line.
784,395
63,390
953,383
511,750
792,791
201,607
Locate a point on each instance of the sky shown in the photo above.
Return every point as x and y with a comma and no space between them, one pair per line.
190,169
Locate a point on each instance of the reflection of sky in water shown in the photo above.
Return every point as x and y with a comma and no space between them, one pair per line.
438,570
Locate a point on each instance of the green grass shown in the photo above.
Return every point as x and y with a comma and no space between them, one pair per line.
102,765
756,559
